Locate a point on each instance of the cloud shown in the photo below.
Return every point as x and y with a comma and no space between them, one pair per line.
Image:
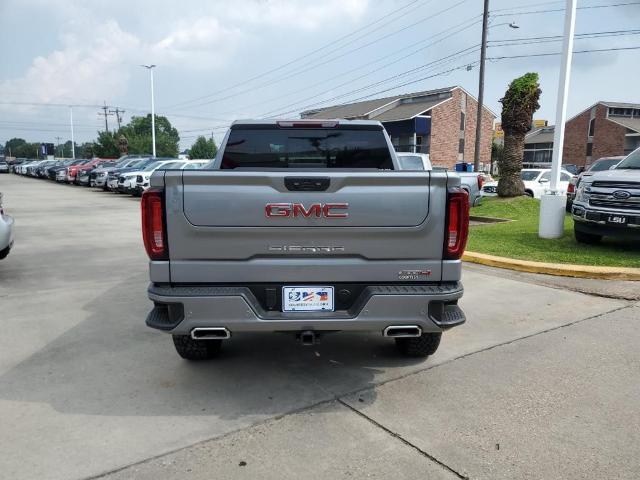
88,66
202,44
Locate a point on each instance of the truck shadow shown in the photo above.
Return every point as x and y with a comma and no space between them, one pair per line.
112,364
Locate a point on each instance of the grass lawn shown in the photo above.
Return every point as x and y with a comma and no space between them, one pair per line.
519,238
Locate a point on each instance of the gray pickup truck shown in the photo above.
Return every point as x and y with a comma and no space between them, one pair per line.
305,227
607,203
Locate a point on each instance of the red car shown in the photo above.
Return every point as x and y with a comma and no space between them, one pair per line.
86,167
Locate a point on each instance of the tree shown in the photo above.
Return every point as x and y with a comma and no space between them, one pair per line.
106,145
11,146
27,150
138,135
85,150
518,105
203,148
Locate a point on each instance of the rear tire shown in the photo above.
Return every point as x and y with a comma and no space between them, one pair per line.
589,238
422,346
191,349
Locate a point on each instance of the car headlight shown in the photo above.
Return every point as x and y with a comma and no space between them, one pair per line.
583,191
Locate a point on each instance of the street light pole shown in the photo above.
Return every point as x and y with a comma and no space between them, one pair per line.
483,53
153,110
73,144
552,206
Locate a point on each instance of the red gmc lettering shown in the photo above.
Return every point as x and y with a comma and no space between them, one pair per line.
318,210
314,209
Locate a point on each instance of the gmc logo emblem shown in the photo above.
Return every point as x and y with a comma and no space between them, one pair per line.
326,210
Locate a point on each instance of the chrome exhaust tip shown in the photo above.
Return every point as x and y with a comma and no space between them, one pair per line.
210,333
402,331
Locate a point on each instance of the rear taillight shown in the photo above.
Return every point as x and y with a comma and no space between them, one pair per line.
571,188
480,182
457,225
154,233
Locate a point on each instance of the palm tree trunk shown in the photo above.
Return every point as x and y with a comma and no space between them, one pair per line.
510,183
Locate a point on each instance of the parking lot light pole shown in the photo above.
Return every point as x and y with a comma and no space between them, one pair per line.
552,205
73,145
153,110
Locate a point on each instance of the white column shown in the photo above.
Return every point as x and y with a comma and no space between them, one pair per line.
153,116
73,145
552,206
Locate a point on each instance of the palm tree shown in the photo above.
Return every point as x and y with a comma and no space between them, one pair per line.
518,105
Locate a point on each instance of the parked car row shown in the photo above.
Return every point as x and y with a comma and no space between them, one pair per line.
129,174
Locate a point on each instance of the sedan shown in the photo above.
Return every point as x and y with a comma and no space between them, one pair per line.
536,182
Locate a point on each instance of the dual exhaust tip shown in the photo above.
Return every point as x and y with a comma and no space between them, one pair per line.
306,337
402,331
210,333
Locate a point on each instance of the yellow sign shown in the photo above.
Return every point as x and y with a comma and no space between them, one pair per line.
540,123
497,130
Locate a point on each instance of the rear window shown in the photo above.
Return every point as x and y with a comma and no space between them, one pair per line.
306,148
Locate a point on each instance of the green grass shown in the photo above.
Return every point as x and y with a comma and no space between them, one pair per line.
519,238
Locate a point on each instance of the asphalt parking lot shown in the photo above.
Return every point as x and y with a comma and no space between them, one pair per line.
542,381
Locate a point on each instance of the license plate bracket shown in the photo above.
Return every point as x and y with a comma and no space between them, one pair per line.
307,298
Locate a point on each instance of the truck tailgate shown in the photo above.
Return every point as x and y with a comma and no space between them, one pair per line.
219,229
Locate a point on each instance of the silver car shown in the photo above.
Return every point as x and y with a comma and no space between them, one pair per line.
6,232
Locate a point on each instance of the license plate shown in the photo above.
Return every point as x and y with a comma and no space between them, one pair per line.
307,299
617,219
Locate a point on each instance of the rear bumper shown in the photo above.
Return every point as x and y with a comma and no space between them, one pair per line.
178,310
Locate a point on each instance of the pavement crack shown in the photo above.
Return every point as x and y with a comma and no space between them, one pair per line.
403,440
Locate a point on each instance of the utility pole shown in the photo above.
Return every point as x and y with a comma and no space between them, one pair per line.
552,204
153,109
483,53
118,113
106,113
73,145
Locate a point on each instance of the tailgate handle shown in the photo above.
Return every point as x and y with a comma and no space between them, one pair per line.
307,184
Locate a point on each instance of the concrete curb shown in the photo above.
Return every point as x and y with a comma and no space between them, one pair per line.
558,269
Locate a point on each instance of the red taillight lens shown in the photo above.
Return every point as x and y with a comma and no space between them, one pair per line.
480,182
571,188
457,228
153,231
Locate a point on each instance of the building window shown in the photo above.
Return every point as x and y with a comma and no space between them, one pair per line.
461,146
537,154
462,121
624,112
589,149
592,127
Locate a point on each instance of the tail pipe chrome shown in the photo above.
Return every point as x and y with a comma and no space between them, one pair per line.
210,333
401,331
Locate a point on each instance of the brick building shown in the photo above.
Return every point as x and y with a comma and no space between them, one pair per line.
606,129
439,122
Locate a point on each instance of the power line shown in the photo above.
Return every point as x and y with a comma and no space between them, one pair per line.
314,66
586,7
453,56
304,56
458,29
558,53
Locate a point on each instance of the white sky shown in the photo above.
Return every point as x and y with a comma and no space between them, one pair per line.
81,52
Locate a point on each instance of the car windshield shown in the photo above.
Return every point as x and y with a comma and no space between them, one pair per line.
529,175
632,162
601,165
151,166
